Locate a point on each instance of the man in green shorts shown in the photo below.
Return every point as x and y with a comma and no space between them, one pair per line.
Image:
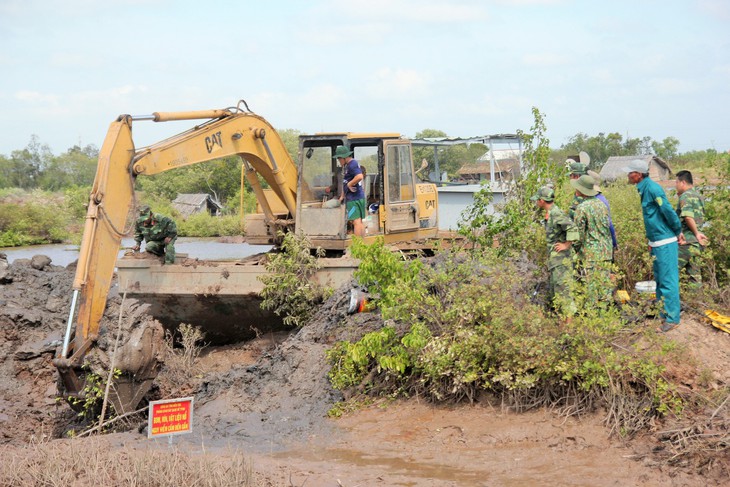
353,192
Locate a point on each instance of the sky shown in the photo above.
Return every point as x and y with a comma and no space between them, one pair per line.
466,67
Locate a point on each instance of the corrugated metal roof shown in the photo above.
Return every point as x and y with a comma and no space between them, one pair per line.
483,139
613,168
188,204
503,165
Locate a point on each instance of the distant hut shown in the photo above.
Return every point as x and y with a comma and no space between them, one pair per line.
659,170
191,204
506,167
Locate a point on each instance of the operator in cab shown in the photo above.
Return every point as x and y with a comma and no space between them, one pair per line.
353,192
159,233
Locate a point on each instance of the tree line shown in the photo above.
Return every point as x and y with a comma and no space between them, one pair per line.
36,167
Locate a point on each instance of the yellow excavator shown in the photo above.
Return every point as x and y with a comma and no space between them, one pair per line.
403,211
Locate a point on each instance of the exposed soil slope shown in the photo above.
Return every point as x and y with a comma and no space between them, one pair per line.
270,397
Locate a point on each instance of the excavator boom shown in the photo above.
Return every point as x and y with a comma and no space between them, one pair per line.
225,133
298,197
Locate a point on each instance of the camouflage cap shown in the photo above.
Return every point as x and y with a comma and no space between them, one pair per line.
578,168
546,193
145,210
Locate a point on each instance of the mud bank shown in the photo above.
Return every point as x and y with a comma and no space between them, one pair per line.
270,398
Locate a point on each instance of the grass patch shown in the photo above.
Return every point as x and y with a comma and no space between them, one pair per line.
93,462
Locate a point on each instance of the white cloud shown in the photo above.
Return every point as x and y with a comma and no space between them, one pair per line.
356,33
604,76
388,83
547,60
54,104
413,10
490,105
672,86
36,98
715,8
529,3
75,60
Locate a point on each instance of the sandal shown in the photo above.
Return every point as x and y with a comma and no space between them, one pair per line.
667,327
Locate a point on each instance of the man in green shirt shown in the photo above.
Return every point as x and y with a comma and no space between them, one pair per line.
561,234
691,212
159,233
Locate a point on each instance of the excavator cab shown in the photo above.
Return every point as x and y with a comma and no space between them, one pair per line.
391,190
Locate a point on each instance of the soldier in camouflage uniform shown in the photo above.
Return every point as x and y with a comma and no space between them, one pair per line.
691,211
159,233
577,169
594,248
560,233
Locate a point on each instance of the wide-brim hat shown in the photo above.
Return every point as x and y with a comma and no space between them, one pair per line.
585,184
597,178
342,151
637,165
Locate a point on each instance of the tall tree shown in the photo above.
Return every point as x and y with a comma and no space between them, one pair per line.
290,138
24,166
221,178
602,146
666,149
75,167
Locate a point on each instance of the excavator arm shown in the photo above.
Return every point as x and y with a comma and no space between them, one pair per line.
224,133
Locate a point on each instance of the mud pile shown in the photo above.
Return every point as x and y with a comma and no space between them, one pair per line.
35,300
284,398
34,306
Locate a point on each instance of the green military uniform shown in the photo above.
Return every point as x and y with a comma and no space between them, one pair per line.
691,205
559,228
154,229
576,169
573,205
594,248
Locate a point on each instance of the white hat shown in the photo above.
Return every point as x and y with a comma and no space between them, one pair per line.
637,165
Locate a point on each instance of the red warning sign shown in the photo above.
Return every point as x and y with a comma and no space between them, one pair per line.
170,417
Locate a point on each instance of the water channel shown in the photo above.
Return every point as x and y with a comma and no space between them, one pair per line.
195,248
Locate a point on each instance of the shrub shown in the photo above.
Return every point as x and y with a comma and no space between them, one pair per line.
515,225
205,225
289,289
468,324
32,223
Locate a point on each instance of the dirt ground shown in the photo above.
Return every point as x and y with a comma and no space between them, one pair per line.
270,398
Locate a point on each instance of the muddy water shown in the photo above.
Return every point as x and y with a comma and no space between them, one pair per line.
415,444
195,248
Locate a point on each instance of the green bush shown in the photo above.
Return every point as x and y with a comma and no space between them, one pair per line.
205,225
467,324
516,227
289,290
33,223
